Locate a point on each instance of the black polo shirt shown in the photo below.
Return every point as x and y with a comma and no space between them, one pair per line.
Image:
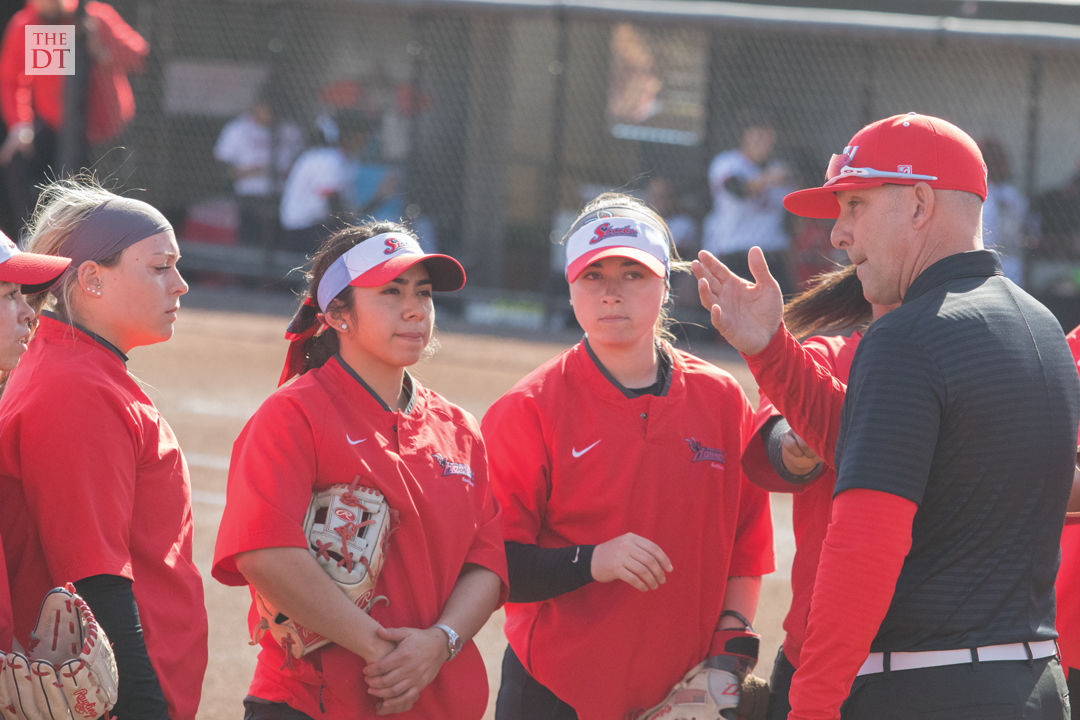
965,400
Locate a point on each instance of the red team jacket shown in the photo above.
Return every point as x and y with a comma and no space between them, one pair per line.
429,461
575,461
811,505
111,104
92,481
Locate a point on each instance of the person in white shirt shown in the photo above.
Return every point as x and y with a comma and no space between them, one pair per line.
748,189
318,185
246,145
1005,212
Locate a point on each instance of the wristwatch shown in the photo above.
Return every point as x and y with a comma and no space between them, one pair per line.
453,640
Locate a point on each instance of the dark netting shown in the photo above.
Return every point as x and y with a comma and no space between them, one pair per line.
488,125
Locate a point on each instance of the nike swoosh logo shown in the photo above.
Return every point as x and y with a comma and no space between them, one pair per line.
579,453
354,442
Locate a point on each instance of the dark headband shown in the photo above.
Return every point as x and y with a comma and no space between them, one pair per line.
107,229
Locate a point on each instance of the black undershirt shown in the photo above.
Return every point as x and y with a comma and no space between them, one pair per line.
538,573
771,434
112,601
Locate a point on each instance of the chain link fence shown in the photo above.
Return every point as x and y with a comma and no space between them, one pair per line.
487,125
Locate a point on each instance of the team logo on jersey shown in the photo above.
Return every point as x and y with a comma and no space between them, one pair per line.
703,453
450,467
603,232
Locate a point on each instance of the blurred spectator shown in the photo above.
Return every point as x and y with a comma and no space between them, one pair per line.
246,145
378,94
377,190
812,252
1058,219
1005,211
748,190
316,193
661,196
33,105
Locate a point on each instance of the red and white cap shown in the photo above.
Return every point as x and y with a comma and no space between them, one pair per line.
33,271
899,150
379,259
615,235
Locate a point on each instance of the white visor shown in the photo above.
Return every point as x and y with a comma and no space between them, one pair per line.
617,237
379,259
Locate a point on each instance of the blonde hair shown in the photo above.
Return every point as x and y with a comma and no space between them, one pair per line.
62,205
612,201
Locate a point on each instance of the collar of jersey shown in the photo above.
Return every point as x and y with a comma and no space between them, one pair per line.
665,372
407,384
89,333
973,263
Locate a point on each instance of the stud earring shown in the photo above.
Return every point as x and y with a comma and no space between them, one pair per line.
344,326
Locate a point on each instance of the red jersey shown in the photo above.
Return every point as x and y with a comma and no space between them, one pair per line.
574,461
102,473
811,505
6,620
1067,586
429,461
111,104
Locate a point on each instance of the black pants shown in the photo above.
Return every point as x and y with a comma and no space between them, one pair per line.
259,709
1013,690
779,687
521,697
24,174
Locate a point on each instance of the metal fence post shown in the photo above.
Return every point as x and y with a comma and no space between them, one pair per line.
552,287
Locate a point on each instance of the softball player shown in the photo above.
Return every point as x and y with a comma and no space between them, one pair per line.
356,415
782,461
20,273
632,533
93,485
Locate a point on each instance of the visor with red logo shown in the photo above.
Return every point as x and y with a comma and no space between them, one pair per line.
621,237
378,260
32,271
899,150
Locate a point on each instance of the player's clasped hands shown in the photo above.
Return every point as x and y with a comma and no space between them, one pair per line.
635,560
398,677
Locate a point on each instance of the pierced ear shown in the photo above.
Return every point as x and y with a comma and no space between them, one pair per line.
334,317
89,275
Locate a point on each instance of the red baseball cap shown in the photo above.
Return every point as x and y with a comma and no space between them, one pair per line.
33,271
899,150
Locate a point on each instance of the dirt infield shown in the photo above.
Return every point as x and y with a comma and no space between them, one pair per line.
225,359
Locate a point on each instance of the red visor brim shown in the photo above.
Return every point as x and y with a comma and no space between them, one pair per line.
446,273
33,271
